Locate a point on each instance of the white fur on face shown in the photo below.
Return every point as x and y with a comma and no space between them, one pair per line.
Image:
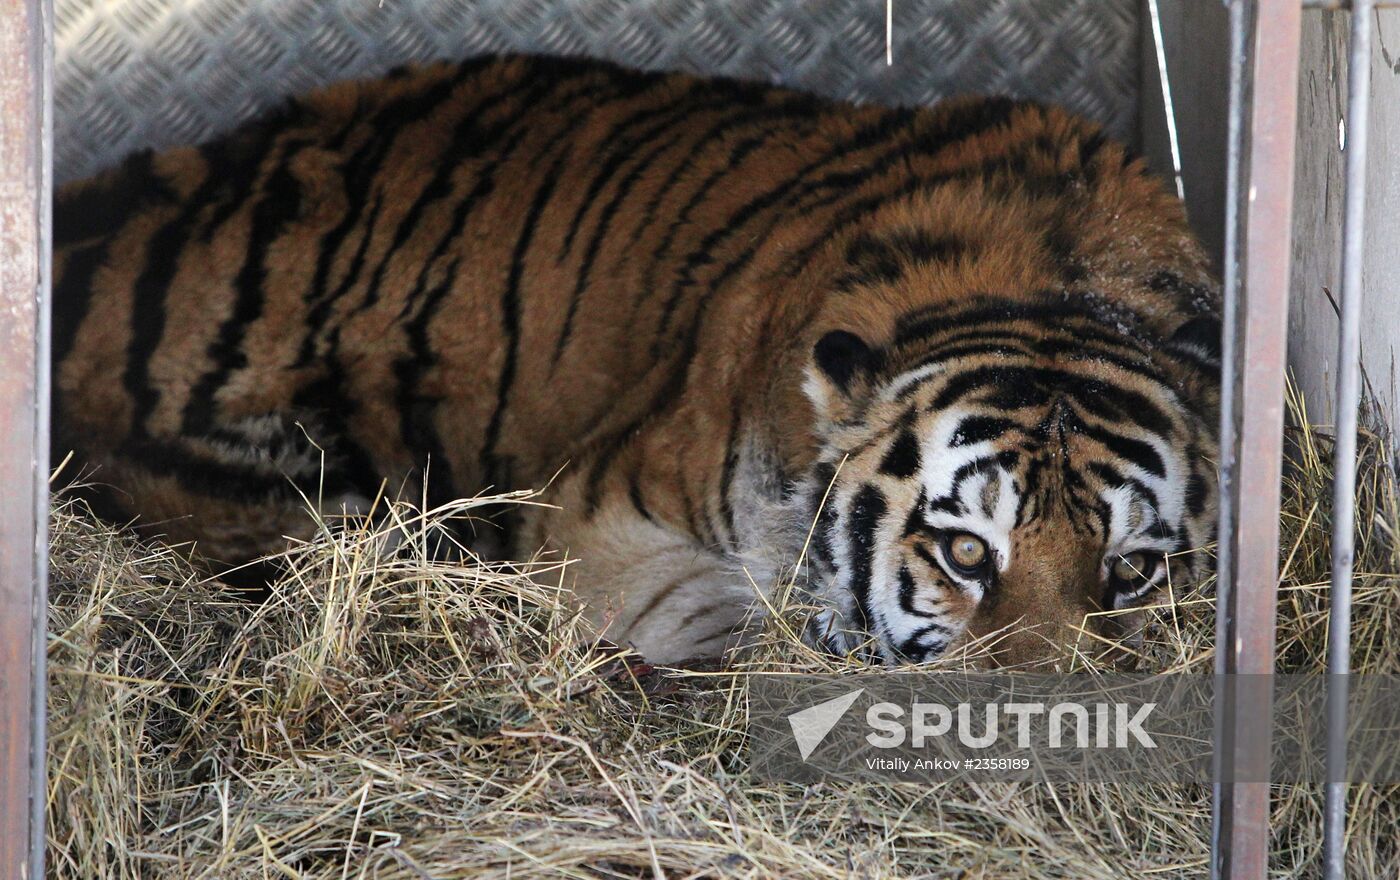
1136,524
965,488
988,498
983,503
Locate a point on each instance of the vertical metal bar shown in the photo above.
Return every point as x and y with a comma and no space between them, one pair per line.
1252,423
1344,464
25,175
1240,25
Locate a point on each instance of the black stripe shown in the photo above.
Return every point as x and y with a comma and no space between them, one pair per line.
1005,459
1113,403
619,147
902,458
468,139
600,234
634,494
947,504
100,207
1002,350
661,596
979,429
429,301
225,180
321,302
666,396
417,411
1135,452
855,211
1014,387
1061,243
823,517
593,492
73,295
914,649
955,127
1197,491
510,313
922,551
867,510
360,172
705,610
908,589
280,204
249,147
1114,478
767,116
699,526
915,523
1113,324
885,257
873,260
726,481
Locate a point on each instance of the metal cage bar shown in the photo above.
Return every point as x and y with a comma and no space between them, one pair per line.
1344,465
1265,46
1266,37
25,175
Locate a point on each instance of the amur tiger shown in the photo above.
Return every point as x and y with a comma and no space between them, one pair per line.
972,349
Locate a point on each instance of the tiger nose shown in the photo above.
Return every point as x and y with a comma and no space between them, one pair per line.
1039,648
1045,645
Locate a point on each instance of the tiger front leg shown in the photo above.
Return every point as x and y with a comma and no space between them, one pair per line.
645,583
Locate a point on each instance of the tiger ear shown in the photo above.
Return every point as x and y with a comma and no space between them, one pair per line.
842,356
1200,337
841,362
1196,345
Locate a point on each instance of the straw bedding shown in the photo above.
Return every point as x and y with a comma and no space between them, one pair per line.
387,715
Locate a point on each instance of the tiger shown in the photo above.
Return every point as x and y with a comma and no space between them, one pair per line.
952,370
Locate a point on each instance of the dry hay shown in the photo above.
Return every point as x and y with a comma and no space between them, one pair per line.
392,716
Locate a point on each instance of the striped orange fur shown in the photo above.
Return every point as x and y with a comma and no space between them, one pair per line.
692,300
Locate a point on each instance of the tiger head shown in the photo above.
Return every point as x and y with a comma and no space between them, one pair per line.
1021,460
1027,473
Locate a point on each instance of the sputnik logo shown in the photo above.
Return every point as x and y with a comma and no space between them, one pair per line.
810,726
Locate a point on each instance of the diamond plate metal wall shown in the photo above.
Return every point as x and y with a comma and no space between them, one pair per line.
136,73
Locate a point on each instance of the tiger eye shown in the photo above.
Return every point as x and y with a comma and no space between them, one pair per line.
1132,567
967,551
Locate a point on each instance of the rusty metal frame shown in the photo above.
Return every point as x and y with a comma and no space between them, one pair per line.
1265,43
25,175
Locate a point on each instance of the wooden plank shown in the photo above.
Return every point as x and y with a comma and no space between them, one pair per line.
24,249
